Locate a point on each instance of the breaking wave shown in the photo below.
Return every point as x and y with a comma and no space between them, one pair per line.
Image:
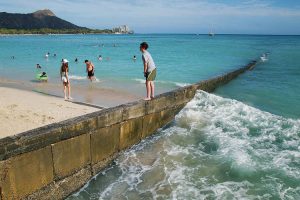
217,148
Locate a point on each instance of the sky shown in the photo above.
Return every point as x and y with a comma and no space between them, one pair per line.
277,17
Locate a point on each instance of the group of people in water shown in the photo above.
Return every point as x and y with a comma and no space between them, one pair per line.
149,70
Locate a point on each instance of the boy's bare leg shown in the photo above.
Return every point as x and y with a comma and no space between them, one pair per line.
152,89
148,89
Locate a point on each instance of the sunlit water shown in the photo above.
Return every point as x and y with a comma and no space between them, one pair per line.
242,142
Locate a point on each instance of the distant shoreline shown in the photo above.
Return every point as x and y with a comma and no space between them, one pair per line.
38,34
196,34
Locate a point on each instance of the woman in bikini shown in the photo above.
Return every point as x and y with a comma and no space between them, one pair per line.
64,74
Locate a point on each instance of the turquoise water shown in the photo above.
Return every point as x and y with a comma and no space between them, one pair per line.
181,60
242,142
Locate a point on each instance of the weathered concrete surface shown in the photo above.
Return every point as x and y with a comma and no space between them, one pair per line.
104,143
110,116
131,132
61,157
71,155
62,188
151,123
134,110
26,173
97,167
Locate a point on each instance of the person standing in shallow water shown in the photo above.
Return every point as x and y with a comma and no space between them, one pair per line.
149,70
64,74
90,69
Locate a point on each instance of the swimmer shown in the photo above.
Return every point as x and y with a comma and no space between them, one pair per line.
76,60
38,66
43,75
100,58
46,56
90,69
264,57
54,55
134,58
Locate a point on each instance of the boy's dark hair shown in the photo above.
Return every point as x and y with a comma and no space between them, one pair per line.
144,45
86,61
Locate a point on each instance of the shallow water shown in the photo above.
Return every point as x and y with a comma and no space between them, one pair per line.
180,59
242,142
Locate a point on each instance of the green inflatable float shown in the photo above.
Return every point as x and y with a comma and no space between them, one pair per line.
41,76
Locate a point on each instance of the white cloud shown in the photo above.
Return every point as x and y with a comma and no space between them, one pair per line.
155,14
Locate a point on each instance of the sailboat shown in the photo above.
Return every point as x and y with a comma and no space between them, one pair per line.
211,33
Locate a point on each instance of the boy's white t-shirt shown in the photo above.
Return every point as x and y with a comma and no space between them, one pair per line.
148,59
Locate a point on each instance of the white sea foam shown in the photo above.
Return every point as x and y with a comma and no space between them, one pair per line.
218,148
75,77
142,81
178,84
79,78
239,129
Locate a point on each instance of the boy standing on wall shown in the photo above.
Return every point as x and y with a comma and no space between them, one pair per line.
149,70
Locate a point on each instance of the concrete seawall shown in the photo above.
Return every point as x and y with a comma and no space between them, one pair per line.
53,161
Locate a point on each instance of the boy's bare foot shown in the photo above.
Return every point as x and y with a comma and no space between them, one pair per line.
147,99
152,97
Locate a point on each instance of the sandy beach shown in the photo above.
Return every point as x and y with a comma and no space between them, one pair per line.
22,110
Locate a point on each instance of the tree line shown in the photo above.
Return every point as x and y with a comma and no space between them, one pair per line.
55,31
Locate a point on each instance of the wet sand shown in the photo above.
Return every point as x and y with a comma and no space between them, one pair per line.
82,92
25,105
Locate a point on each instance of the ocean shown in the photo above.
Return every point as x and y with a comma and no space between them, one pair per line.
240,142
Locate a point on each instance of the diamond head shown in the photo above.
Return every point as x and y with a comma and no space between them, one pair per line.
40,22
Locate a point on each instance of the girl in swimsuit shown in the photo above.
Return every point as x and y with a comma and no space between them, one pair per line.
64,71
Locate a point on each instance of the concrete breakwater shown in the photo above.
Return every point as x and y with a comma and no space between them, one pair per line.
53,161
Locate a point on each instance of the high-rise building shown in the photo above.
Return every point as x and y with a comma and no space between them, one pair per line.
122,29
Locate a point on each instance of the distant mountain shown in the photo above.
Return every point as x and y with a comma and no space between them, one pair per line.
41,19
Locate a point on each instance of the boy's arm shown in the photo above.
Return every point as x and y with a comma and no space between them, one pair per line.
145,65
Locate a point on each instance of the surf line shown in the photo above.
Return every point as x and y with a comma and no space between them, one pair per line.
75,102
